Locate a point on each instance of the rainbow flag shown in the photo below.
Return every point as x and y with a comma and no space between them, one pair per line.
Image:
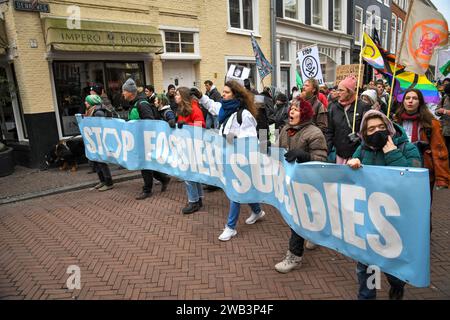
403,79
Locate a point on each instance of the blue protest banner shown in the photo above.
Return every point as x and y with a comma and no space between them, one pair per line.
375,215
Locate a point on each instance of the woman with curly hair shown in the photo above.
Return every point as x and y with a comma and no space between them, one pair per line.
235,99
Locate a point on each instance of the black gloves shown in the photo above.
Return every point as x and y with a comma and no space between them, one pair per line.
172,123
297,154
180,124
195,92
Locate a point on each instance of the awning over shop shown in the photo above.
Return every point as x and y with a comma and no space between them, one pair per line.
3,39
101,36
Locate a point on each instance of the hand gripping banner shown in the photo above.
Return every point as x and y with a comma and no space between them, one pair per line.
376,215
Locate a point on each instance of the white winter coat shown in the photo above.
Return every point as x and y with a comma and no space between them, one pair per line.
246,129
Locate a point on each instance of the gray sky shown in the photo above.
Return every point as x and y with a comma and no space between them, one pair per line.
444,8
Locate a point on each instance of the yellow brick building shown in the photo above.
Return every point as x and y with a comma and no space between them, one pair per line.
53,57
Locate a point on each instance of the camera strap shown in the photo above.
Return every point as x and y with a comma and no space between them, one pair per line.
348,120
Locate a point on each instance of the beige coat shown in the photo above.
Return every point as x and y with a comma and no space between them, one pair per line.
309,138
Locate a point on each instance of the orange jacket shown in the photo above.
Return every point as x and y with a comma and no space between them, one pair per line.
436,158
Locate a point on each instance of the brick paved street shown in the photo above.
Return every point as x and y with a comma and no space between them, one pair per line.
147,250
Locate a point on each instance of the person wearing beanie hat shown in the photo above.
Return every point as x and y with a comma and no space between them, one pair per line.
341,113
94,109
304,142
93,100
371,98
384,143
141,109
130,86
443,111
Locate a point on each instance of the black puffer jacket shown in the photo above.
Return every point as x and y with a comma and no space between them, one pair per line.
339,129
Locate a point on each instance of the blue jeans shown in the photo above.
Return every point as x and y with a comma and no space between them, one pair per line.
235,208
211,121
194,191
364,292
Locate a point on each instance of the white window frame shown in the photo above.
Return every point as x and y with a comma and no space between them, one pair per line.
386,3
361,30
300,12
393,45
399,31
377,25
343,17
384,37
255,11
369,25
180,55
324,24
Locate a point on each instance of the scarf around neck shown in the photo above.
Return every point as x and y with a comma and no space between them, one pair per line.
414,118
228,108
348,102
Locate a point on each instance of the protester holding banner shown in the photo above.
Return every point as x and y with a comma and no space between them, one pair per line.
93,105
304,142
141,109
310,93
341,115
424,130
235,99
383,144
189,113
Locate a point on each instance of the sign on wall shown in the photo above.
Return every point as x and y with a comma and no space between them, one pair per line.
33,5
309,62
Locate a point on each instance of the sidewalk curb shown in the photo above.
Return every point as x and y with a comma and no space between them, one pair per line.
75,187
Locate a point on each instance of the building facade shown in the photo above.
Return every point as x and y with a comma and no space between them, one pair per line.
302,23
373,15
53,57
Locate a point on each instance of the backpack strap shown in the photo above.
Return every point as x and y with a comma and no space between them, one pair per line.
239,115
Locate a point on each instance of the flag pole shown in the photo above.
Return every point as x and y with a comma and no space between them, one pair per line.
359,81
396,59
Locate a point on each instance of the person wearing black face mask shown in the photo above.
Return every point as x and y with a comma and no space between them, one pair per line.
384,143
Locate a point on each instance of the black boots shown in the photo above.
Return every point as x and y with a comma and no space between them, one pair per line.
143,195
193,207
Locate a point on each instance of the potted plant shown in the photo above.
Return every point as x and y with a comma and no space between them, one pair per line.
6,153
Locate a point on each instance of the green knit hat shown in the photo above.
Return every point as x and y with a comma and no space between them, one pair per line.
93,100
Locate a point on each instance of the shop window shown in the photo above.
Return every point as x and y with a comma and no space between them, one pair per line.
11,114
73,80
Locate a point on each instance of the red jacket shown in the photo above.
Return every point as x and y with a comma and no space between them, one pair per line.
324,100
195,118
